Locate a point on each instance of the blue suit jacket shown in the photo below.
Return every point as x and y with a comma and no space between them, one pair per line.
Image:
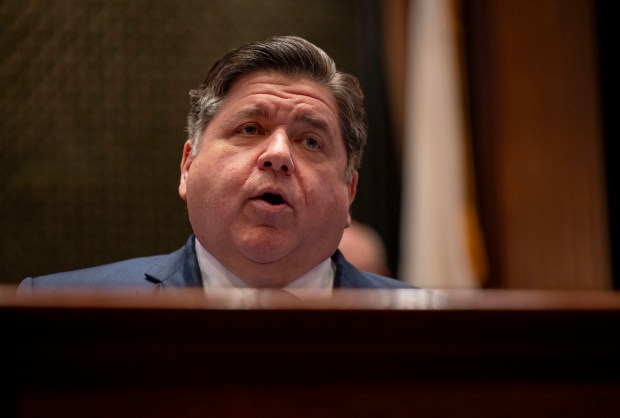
180,269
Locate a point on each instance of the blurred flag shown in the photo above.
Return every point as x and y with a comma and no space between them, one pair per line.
441,244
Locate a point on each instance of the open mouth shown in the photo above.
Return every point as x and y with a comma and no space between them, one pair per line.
272,198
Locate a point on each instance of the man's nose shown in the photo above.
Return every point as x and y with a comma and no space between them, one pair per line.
277,156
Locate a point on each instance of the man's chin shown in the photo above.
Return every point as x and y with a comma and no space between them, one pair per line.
264,254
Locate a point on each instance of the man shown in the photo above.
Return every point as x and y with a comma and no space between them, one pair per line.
276,136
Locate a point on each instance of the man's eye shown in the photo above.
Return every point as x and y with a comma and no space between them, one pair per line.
312,143
249,130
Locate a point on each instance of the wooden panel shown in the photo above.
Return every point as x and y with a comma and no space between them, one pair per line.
539,143
379,353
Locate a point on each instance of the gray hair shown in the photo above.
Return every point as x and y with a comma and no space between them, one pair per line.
292,56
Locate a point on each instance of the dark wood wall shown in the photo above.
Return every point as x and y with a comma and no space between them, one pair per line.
535,98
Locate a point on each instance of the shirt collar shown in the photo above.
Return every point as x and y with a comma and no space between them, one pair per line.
216,276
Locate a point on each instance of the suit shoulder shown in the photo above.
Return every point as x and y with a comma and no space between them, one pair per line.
121,273
382,282
348,276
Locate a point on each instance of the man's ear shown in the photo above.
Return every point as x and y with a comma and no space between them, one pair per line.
186,162
352,188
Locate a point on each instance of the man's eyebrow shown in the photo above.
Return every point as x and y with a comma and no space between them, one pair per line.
259,110
314,120
250,112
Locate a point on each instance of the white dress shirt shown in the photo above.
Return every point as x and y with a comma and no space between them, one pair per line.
217,278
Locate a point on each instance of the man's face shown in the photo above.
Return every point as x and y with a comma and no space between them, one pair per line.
266,192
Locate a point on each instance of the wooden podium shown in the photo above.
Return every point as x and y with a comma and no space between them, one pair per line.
358,354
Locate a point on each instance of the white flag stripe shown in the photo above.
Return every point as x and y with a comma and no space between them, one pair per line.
434,244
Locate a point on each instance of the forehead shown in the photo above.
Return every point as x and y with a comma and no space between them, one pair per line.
283,90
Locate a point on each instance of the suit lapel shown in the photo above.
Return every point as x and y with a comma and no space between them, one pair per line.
178,269
347,276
